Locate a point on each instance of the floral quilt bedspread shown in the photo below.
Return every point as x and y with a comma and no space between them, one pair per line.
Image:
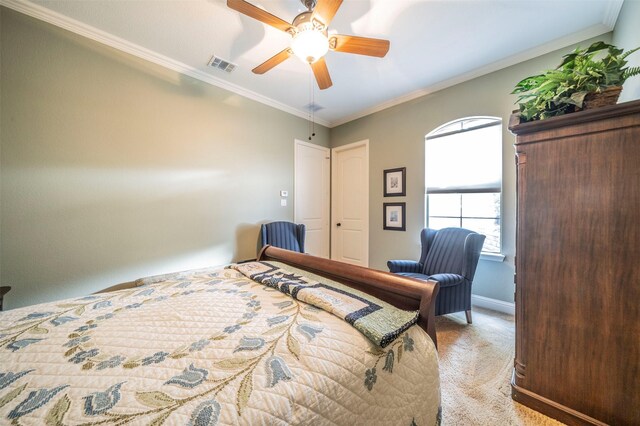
207,347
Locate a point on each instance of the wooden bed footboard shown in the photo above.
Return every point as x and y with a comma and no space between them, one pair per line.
401,292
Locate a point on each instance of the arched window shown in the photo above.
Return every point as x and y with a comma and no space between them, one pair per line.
463,177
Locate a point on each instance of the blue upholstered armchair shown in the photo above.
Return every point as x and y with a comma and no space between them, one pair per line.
284,235
449,256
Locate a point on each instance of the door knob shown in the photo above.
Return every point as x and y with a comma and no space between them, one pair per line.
338,224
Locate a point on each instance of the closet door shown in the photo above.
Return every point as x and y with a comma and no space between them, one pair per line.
350,204
312,195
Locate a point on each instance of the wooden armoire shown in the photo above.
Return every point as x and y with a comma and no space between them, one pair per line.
578,266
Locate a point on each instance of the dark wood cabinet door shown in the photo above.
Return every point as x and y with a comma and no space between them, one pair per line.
578,266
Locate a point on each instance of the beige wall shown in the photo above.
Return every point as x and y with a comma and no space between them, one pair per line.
396,136
627,36
113,168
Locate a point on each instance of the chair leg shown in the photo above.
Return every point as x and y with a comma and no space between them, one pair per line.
468,313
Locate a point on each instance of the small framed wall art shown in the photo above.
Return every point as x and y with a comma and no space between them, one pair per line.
394,182
394,216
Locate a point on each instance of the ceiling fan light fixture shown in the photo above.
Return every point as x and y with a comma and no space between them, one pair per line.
311,39
310,45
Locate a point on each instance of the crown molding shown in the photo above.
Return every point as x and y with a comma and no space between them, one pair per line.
103,37
559,43
612,13
108,39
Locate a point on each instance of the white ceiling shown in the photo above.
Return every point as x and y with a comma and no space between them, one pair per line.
434,43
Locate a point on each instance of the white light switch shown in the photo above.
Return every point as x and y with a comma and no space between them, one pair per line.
283,202
284,193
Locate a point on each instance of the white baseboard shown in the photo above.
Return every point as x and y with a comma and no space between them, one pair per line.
493,304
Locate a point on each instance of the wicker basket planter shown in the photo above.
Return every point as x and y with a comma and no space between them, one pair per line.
608,96
600,68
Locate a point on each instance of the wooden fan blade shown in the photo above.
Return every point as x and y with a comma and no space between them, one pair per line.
273,61
359,45
321,72
325,10
255,12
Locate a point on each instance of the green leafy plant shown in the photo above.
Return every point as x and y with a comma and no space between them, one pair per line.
563,90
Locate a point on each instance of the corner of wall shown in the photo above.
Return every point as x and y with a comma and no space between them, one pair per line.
626,35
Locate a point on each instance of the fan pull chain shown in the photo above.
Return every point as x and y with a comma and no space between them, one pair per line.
309,111
313,109
312,113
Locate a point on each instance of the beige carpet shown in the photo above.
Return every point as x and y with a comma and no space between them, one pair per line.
475,371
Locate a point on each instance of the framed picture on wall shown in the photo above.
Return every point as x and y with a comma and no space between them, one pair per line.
394,216
394,182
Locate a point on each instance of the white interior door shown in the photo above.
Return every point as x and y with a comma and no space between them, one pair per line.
350,203
312,195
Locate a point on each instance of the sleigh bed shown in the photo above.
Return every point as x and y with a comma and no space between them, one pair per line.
288,339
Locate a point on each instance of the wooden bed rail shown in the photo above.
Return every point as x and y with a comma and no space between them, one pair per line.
401,292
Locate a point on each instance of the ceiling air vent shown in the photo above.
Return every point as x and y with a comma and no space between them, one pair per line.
313,107
221,64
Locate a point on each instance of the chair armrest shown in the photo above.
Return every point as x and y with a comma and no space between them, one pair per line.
472,248
404,266
447,280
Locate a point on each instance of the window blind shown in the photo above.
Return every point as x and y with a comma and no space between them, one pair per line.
465,161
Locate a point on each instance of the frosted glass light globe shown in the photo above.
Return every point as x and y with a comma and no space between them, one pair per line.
310,45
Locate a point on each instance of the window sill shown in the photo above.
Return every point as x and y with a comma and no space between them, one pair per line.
493,257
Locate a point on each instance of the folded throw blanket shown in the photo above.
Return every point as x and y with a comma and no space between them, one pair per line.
379,321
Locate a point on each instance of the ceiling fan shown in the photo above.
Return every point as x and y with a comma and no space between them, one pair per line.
310,38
